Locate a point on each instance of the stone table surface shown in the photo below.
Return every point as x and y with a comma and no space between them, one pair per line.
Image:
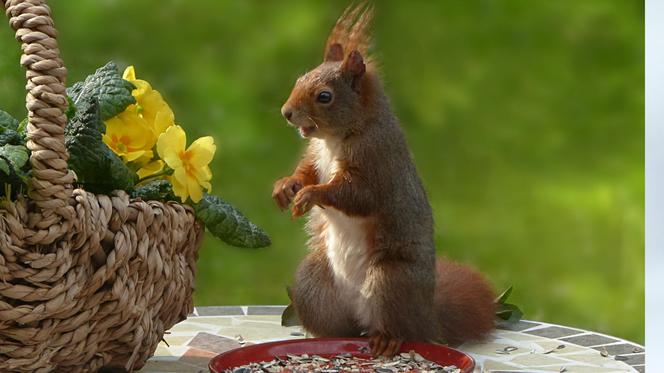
209,331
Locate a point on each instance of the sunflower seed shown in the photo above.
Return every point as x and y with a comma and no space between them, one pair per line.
559,347
404,362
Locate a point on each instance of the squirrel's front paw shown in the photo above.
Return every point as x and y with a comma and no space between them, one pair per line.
305,199
383,345
284,191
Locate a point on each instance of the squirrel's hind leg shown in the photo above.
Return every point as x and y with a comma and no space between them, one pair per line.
318,304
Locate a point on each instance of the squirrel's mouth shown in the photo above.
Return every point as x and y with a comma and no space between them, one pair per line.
306,131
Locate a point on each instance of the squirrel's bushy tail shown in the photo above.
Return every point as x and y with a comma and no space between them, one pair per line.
464,303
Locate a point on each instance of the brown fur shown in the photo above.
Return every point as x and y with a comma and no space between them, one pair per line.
409,296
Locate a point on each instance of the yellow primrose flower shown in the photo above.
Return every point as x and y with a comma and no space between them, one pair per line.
129,137
150,169
149,103
191,171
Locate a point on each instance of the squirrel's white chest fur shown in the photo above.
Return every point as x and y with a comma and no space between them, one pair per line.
345,236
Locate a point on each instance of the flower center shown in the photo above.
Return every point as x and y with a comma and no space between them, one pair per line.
121,143
185,156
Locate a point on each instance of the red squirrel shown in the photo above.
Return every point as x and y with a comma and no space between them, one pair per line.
372,266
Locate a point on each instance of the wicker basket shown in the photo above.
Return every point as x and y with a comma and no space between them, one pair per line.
86,280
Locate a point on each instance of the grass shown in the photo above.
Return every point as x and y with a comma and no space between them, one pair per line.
525,120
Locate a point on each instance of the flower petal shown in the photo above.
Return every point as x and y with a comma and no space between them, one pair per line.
150,169
202,151
179,189
207,186
163,120
202,174
194,190
129,73
180,175
151,103
170,144
134,155
143,88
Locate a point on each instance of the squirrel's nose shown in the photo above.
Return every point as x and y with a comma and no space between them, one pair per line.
287,113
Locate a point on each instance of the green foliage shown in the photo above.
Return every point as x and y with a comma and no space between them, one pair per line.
107,85
9,130
13,165
507,312
160,190
98,169
7,121
13,154
14,157
228,224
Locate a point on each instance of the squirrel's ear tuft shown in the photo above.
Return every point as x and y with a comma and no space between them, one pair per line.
335,52
354,67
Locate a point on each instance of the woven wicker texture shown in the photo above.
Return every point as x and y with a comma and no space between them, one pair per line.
85,280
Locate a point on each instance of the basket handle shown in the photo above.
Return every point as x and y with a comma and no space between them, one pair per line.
50,186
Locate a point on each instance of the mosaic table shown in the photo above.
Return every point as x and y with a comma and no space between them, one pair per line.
527,346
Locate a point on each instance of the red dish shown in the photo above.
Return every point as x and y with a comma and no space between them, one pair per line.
329,347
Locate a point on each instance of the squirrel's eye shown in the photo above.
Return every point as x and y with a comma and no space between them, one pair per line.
324,97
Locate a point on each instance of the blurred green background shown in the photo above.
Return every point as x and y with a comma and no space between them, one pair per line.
525,119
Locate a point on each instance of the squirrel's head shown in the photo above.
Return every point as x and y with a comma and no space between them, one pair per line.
329,100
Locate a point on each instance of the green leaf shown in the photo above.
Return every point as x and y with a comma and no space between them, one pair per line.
228,224
156,190
509,313
503,297
9,130
13,158
23,127
7,121
71,108
16,155
107,86
4,167
96,166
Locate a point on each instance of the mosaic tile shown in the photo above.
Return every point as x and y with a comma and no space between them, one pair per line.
261,318
515,336
220,311
620,349
264,332
517,326
189,326
174,340
163,352
215,320
196,357
490,348
589,340
489,366
545,345
530,360
265,310
554,332
213,343
577,369
168,367
637,359
594,358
